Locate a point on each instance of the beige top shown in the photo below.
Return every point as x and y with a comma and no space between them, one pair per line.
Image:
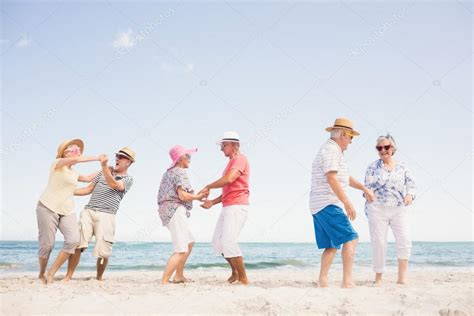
59,193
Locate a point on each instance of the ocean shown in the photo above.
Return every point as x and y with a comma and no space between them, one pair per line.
21,256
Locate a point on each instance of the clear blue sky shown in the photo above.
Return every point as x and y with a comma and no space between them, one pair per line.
150,75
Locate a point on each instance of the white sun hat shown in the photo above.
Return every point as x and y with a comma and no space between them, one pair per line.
229,137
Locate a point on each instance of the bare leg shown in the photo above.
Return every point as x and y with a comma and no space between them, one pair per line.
348,252
238,263
72,264
43,262
171,266
235,274
179,276
326,261
402,271
101,265
378,278
62,257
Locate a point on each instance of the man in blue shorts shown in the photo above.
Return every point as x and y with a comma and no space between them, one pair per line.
329,181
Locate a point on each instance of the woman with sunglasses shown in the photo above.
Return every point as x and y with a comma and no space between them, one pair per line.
55,209
175,200
394,189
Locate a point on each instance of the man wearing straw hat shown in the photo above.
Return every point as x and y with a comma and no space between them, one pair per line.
98,217
329,182
235,201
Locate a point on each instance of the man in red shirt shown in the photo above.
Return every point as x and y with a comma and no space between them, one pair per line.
235,201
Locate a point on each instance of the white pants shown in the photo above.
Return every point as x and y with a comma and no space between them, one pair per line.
181,235
228,228
380,218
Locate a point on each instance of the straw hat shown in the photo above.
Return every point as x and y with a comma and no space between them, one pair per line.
65,145
345,124
127,152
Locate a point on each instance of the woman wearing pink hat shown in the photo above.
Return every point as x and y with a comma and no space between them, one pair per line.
175,200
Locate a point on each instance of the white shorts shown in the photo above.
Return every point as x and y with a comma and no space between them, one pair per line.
181,236
228,228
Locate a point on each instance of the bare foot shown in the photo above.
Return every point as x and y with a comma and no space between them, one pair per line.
42,279
67,279
177,281
378,281
181,280
49,279
322,282
243,281
234,277
402,281
348,285
100,279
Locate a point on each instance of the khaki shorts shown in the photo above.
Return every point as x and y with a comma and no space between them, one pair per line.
102,226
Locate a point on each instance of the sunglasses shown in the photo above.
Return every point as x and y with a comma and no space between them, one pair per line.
386,147
118,157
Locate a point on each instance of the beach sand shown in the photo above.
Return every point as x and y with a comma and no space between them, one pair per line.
430,292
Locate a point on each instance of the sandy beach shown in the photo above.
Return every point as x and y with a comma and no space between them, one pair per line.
431,292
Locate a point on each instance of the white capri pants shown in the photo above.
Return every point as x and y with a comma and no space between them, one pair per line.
380,218
181,235
228,228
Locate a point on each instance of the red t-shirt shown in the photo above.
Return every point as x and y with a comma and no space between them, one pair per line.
237,192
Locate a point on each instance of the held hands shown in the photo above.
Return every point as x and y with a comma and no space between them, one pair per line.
408,199
103,159
205,190
202,196
207,204
369,195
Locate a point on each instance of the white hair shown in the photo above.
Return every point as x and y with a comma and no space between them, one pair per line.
390,139
336,133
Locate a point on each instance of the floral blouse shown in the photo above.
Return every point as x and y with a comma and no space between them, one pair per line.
168,200
389,187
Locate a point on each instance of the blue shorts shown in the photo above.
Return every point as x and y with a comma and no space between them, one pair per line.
332,228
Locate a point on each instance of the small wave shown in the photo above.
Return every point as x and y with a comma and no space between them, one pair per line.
193,266
8,265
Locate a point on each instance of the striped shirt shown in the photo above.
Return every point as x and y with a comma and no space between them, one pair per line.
104,198
329,158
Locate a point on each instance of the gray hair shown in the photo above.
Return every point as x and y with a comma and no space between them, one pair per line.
336,133
390,139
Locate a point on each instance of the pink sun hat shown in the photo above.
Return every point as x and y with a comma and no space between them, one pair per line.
177,151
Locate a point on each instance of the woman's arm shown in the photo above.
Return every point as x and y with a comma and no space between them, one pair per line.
85,191
188,197
88,178
410,187
66,162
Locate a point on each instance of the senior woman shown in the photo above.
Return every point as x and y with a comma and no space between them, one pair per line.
175,200
55,208
394,189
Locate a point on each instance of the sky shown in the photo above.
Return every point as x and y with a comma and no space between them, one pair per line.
150,75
